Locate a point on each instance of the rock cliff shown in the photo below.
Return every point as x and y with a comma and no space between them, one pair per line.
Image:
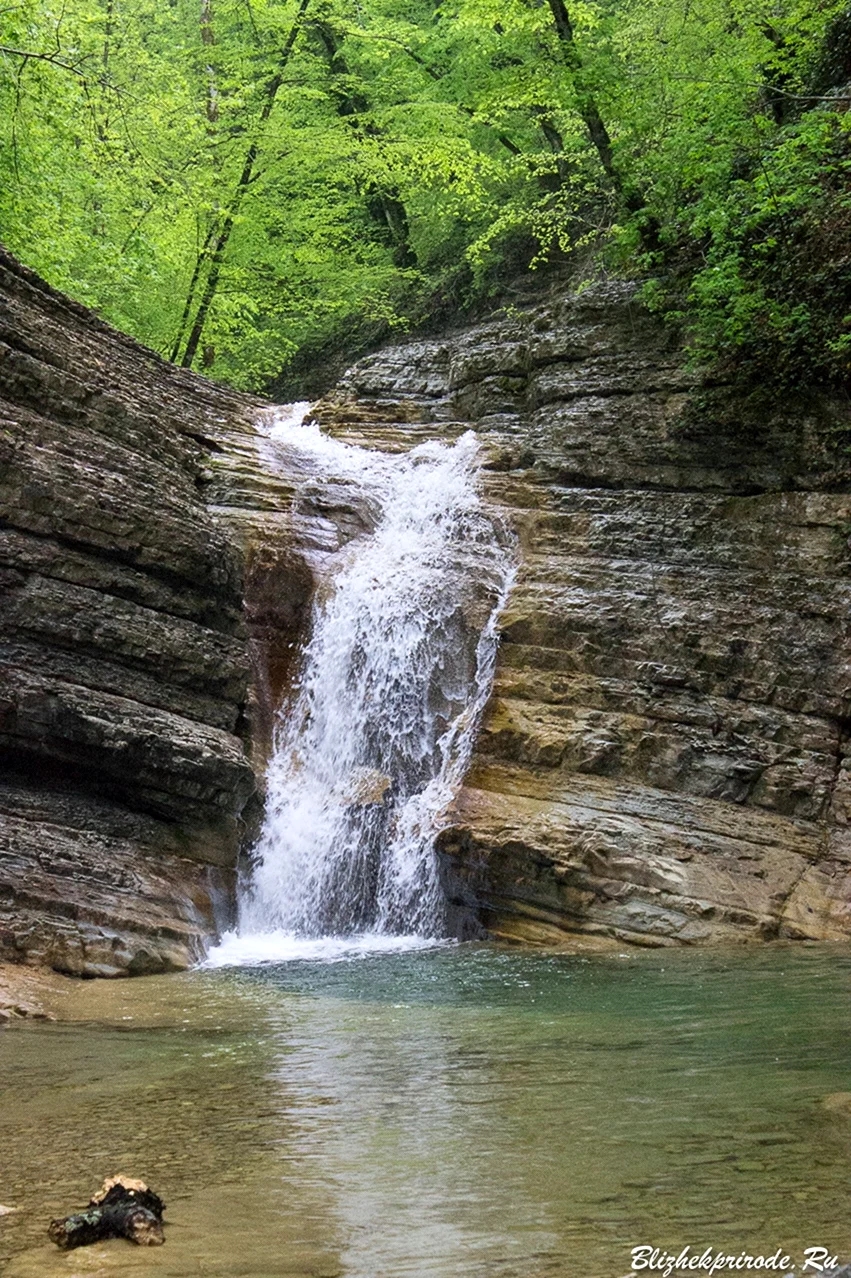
665,756
123,659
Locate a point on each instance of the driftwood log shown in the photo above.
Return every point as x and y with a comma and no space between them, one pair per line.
122,1208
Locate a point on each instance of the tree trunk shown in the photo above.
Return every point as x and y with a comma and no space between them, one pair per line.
551,182
384,205
592,119
190,293
588,109
221,242
107,35
208,39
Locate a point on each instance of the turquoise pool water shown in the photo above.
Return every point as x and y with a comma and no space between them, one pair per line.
460,1112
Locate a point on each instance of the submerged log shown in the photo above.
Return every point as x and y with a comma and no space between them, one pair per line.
122,1208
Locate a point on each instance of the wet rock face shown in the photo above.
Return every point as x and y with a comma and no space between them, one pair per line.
289,529
123,651
665,754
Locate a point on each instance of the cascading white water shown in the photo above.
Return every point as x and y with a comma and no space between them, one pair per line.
376,737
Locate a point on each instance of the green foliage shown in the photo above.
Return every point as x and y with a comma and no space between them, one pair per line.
756,254
774,294
262,178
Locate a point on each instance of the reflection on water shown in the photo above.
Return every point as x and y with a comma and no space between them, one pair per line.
459,1111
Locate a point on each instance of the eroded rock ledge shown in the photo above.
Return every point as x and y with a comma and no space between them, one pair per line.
665,756
123,660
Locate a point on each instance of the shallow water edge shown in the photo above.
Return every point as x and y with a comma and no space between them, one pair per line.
463,1110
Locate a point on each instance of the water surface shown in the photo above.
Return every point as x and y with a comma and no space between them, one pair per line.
458,1111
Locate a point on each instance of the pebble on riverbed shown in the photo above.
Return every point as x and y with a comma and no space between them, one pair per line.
838,1103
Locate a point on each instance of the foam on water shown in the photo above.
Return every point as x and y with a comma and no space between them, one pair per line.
373,743
282,947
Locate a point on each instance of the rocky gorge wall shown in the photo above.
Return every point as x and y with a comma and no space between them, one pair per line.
156,574
665,755
123,651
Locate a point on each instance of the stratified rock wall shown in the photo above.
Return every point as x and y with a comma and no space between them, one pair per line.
664,757
123,655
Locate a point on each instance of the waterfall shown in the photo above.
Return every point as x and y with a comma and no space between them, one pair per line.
376,735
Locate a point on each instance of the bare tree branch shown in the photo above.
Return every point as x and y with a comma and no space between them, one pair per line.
53,59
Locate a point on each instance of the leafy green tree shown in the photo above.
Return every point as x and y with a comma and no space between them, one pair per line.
237,181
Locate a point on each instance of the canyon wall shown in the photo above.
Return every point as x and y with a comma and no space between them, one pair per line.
123,648
665,755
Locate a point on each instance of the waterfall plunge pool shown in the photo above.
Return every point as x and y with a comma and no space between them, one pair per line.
459,1111
313,1105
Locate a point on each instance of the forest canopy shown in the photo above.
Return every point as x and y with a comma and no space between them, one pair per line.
235,182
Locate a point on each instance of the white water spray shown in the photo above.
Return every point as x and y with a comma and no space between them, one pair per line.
375,740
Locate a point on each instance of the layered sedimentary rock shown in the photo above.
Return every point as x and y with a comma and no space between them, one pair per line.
664,757
123,653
